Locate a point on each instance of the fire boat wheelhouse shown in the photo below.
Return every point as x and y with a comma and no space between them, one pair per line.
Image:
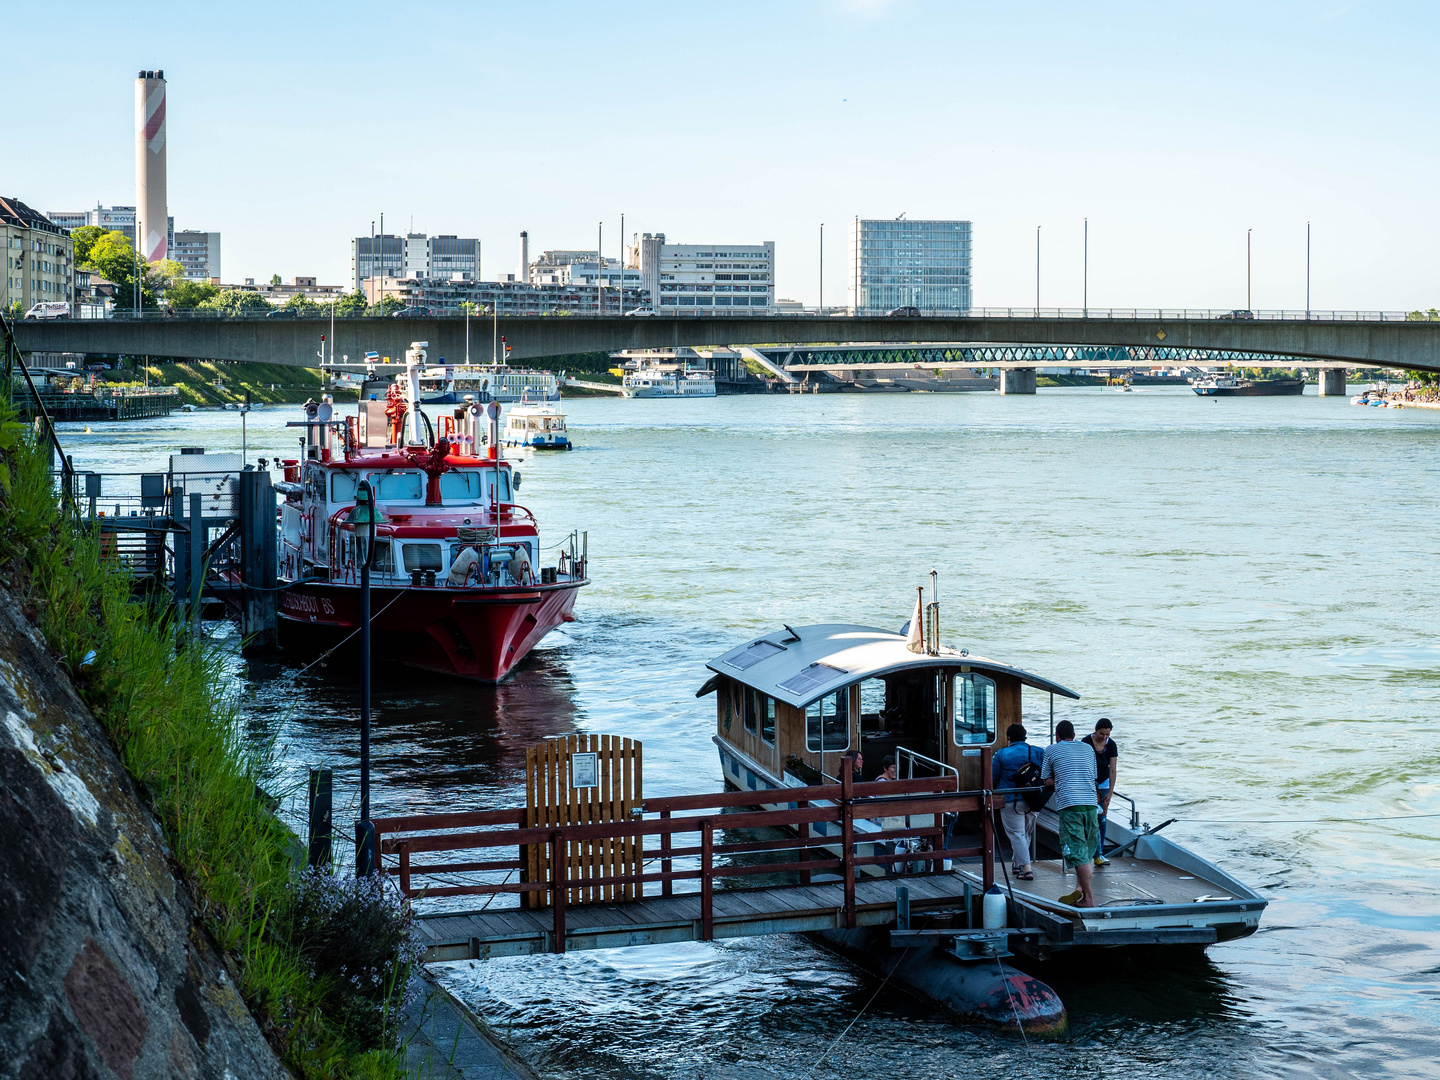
791,703
457,583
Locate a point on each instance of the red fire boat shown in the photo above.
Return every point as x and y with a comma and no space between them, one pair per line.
456,581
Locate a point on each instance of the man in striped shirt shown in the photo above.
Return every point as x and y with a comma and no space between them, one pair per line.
1070,765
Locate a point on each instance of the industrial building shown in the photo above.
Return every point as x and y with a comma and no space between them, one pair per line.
414,255
720,279
898,262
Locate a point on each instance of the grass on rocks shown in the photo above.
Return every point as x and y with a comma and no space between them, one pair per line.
165,707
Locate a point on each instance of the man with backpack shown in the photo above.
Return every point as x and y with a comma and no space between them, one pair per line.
1018,766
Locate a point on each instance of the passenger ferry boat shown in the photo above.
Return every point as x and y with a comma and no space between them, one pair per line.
457,583
1225,385
668,381
540,426
791,702
452,383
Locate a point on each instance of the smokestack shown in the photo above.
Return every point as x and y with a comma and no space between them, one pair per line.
524,257
150,211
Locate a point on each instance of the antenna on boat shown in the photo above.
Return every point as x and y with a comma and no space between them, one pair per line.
932,616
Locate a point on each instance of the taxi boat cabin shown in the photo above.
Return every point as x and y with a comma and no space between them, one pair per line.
790,704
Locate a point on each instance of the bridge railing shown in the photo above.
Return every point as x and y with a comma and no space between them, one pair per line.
1161,314
609,861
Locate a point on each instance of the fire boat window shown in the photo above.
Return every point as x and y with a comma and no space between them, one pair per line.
827,723
398,486
489,482
421,557
974,709
343,486
460,485
383,563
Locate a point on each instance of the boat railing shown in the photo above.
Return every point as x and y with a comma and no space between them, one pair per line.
912,757
610,862
1134,810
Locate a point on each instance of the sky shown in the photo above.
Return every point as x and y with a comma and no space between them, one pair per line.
1173,127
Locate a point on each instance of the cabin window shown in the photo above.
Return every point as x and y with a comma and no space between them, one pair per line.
383,562
399,486
974,709
752,714
422,557
767,719
343,486
488,481
827,723
460,485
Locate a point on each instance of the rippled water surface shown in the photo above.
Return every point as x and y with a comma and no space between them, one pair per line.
1247,587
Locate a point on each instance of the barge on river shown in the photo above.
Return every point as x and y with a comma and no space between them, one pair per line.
456,579
792,702
1231,386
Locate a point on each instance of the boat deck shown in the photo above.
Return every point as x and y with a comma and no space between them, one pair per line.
660,920
1125,881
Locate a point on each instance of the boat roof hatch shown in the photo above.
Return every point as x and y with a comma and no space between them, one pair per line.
802,665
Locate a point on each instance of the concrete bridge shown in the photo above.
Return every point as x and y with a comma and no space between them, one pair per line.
1354,339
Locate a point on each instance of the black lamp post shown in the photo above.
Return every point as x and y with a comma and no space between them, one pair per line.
362,518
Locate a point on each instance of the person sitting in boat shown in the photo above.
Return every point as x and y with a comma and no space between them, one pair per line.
1016,816
887,768
857,765
1071,765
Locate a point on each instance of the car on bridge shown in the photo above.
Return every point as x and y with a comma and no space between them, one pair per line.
904,313
1237,315
639,312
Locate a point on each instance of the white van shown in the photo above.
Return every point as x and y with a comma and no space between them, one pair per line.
49,310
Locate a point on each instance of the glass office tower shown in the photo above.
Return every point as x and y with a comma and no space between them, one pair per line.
902,263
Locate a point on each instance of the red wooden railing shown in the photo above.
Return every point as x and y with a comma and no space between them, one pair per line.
404,838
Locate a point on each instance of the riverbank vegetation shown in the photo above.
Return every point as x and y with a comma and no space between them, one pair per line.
321,960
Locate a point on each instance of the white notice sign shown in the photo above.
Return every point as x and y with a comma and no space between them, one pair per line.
585,770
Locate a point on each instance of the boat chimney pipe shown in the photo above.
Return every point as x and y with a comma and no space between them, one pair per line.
414,363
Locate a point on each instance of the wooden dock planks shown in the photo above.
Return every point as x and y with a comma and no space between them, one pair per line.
653,920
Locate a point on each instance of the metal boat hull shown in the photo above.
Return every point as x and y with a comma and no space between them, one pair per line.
476,634
1258,388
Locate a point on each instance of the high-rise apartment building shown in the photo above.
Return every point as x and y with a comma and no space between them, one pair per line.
712,279
198,253
39,258
903,263
414,255
109,218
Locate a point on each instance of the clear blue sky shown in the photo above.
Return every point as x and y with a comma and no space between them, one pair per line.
1174,127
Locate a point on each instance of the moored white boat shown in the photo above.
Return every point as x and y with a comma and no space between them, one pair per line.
668,381
537,425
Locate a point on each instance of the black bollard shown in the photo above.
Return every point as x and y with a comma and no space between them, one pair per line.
319,818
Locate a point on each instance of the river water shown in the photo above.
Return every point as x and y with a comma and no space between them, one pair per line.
1247,587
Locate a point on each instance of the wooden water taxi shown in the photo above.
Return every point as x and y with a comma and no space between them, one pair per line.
791,703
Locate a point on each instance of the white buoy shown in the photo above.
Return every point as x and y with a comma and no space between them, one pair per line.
993,911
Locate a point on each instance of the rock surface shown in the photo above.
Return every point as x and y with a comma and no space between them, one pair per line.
104,971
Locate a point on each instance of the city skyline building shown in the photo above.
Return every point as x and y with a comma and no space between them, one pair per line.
581,268
510,297
151,216
721,279
39,258
198,252
897,262
109,218
414,255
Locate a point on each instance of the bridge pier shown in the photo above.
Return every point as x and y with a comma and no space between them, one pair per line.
1332,382
1017,380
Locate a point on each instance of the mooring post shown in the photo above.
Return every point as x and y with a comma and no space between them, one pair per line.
257,561
902,907
804,830
319,817
197,551
847,835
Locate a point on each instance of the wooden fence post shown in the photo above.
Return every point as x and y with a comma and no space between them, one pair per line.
847,835
804,829
666,886
707,884
988,813
320,796
560,884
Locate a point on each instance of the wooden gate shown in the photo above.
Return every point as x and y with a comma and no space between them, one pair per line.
580,780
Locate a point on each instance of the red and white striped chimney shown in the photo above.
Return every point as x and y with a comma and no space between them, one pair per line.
151,216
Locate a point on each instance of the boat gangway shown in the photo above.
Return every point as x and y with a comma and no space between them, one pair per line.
673,868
